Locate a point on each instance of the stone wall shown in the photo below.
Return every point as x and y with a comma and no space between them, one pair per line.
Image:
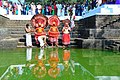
4,33
6,42
3,21
100,31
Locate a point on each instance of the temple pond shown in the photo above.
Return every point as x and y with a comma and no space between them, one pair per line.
59,64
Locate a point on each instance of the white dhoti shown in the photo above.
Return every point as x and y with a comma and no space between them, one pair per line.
28,39
41,41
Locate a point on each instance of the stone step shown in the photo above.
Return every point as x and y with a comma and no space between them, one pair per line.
22,42
22,39
17,22
23,32
17,32
117,42
107,48
19,28
16,35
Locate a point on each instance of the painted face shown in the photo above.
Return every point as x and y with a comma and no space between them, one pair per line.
66,24
53,23
40,25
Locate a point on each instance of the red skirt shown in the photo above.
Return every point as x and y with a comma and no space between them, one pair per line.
53,34
53,39
66,39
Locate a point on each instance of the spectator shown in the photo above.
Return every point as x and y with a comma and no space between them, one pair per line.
0,3
63,10
43,10
19,9
99,2
46,10
27,8
55,9
39,7
59,7
50,9
33,7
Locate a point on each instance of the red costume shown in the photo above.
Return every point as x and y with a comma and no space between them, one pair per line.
66,32
39,22
53,32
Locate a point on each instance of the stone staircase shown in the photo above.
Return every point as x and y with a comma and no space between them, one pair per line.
101,32
16,29
113,45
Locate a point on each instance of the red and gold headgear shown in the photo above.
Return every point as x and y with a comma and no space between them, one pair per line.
54,21
39,20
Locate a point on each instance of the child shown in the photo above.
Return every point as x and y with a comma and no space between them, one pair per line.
66,33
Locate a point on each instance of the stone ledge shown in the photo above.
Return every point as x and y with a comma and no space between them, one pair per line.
8,43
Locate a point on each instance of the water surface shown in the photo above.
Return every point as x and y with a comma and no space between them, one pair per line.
59,64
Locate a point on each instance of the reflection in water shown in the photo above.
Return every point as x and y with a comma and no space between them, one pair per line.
53,61
28,54
39,70
66,58
48,64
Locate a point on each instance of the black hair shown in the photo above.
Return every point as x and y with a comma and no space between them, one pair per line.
27,25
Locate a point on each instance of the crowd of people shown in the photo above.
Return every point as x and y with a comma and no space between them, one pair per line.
52,8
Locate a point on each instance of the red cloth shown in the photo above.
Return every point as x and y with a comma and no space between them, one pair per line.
1,3
66,39
53,39
53,32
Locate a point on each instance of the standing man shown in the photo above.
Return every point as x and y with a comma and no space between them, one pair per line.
28,36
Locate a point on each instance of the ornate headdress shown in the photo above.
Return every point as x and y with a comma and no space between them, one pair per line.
54,21
39,20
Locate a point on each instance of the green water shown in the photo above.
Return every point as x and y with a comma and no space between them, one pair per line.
50,64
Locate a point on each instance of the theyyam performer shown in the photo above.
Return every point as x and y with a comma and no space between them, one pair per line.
53,32
39,22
